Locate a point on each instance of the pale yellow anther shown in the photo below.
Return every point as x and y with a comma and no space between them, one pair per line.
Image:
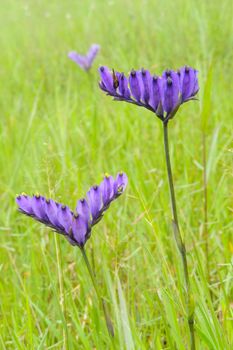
106,175
23,194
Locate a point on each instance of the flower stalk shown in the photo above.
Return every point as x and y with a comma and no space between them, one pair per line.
205,224
178,238
100,298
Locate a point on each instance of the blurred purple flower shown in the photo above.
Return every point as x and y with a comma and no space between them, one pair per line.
85,62
162,95
75,226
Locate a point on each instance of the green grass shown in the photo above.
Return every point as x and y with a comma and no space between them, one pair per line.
60,133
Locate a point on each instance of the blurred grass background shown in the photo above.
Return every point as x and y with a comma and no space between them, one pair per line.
60,134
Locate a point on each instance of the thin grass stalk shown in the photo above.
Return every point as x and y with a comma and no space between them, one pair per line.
179,241
101,299
205,233
62,295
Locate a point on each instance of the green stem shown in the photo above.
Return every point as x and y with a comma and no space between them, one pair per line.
205,226
101,299
178,239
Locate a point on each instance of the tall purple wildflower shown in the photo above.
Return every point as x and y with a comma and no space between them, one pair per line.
85,61
162,95
74,225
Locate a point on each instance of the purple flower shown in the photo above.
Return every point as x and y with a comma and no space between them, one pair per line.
162,95
85,62
74,225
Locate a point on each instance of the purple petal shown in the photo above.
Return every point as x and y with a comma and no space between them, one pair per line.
91,55
146,84
187,82
107,80
123,86
25,204
51,209
171,90
103,87
83,209
94,196
120,183
79,230
65,217
107,189
135,85
38,207
79,59
156,92
196,84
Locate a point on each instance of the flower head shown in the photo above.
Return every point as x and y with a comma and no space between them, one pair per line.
85,61
74,225
162,95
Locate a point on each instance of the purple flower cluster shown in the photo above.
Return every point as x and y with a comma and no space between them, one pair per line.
160,94
85,61
75,226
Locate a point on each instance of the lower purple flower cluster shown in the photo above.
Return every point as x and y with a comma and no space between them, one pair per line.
160,94
75,226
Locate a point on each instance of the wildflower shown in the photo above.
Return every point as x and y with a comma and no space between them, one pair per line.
162,95
74,225
85,61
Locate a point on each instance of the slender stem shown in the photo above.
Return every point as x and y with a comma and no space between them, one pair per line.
178,239
205,228
101,299
62,295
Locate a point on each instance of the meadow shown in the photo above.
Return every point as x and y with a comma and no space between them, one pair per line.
60,134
